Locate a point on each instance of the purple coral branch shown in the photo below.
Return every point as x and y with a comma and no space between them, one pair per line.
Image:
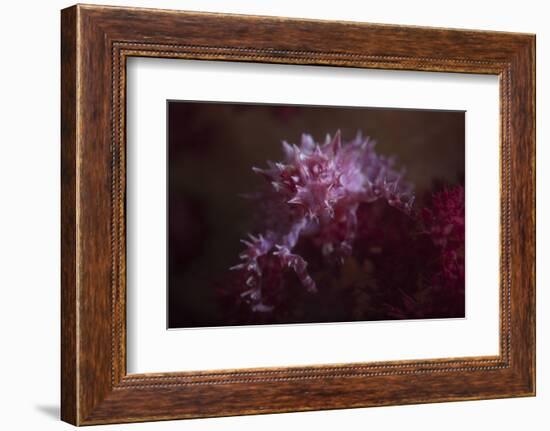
315,192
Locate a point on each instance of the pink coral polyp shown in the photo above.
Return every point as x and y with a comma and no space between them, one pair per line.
314,193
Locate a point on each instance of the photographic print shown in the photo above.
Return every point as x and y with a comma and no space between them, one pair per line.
281,214
268,212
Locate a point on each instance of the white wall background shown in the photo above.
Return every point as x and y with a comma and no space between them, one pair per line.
29,216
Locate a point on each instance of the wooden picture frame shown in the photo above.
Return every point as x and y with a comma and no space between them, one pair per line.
95,43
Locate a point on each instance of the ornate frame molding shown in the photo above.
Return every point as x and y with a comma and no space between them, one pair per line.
96,41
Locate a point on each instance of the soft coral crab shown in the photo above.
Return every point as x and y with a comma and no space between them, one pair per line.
314,193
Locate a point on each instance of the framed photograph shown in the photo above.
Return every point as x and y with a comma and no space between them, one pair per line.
264,214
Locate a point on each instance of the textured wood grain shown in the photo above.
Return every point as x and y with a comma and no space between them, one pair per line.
96,41
69,366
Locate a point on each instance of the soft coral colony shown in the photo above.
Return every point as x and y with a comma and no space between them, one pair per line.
314,195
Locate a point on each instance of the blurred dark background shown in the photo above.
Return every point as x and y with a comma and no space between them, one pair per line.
212,148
